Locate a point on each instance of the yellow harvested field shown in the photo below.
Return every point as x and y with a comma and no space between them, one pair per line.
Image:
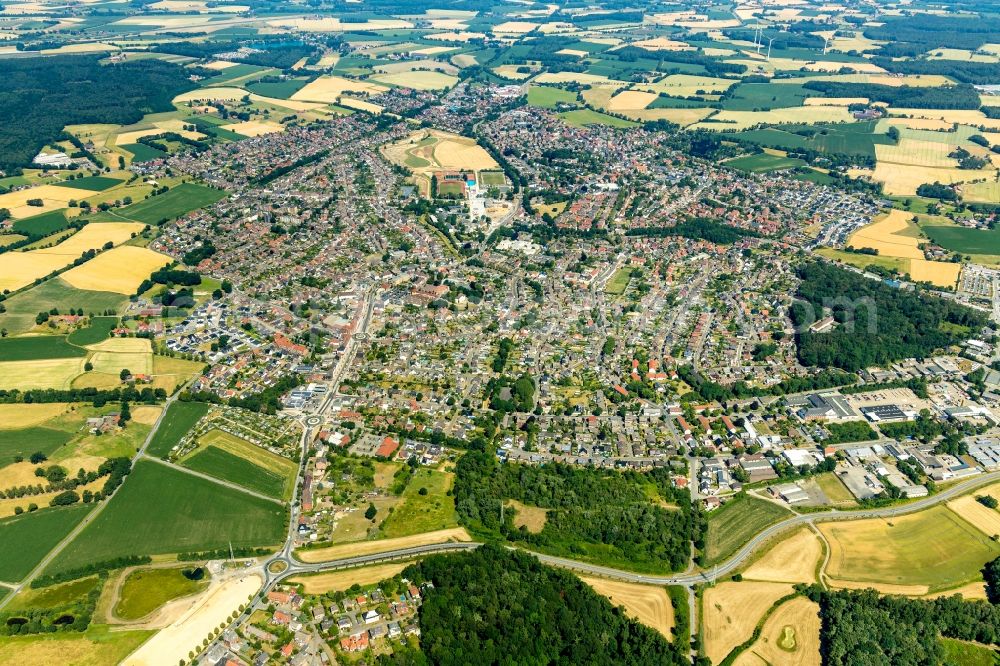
791,560
146,414
976,590
123,346
369,547
335,25
986,192
858,43
789,637
19,269
55,373
902,179
686,85
631,100
916,153
532,518
648,604
884,235
360,104
134,136
834,66
328,89
662,44
432,50
884,588
120,270
417,65
963,116
334,581
180,6
211,95
730,611
510,71
115,354
52,196
515,27
292,104
462,36
83,47
798,114
15,417
255,128
940,273
418,80
933,124
963,55
219,64
983,518
834,101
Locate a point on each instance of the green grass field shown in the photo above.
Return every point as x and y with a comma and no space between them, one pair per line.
41,225
161,510
23,307
278,89
26,441
736,522
145,590
547,97
618,282
587,117
143,153
99,330
179,200
422,513
960,653
180,417
966,241
26,539
863,261
489,178
223,465
765,96
92,183
38,347
763,162
54,596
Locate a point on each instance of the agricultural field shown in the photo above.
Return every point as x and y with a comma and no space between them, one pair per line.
964,240
732,525
793,559
97,646
586,117
926,551
369,547
895,235
236,460
333,581
177,201
26,539
648,604
790,635
120,270
179,419
763,163
428,151
145,590
162,510
425,506
730,612
549,97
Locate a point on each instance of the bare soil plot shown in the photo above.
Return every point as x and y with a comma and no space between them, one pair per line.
730,611
789,637
382,545
334,581
648,604
791,560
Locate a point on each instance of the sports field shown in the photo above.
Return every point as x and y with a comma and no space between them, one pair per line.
170,205
934,548
417,513
120,270
732,525
163,510
26,539
179,419
619,282
427,151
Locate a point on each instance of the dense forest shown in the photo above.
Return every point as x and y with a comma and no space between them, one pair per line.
917,34
593,514
698,228
904,97
494,606
877,323
43,95
863,627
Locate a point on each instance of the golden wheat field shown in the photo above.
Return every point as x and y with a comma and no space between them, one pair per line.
730,611
369,547
791,560
15,417
648,604
790,636
334,581
120,270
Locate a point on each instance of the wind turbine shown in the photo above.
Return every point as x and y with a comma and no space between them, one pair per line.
769,49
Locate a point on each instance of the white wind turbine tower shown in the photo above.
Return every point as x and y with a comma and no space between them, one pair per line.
769,49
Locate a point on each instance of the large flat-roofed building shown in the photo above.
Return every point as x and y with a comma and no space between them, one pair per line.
887,414
822,406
